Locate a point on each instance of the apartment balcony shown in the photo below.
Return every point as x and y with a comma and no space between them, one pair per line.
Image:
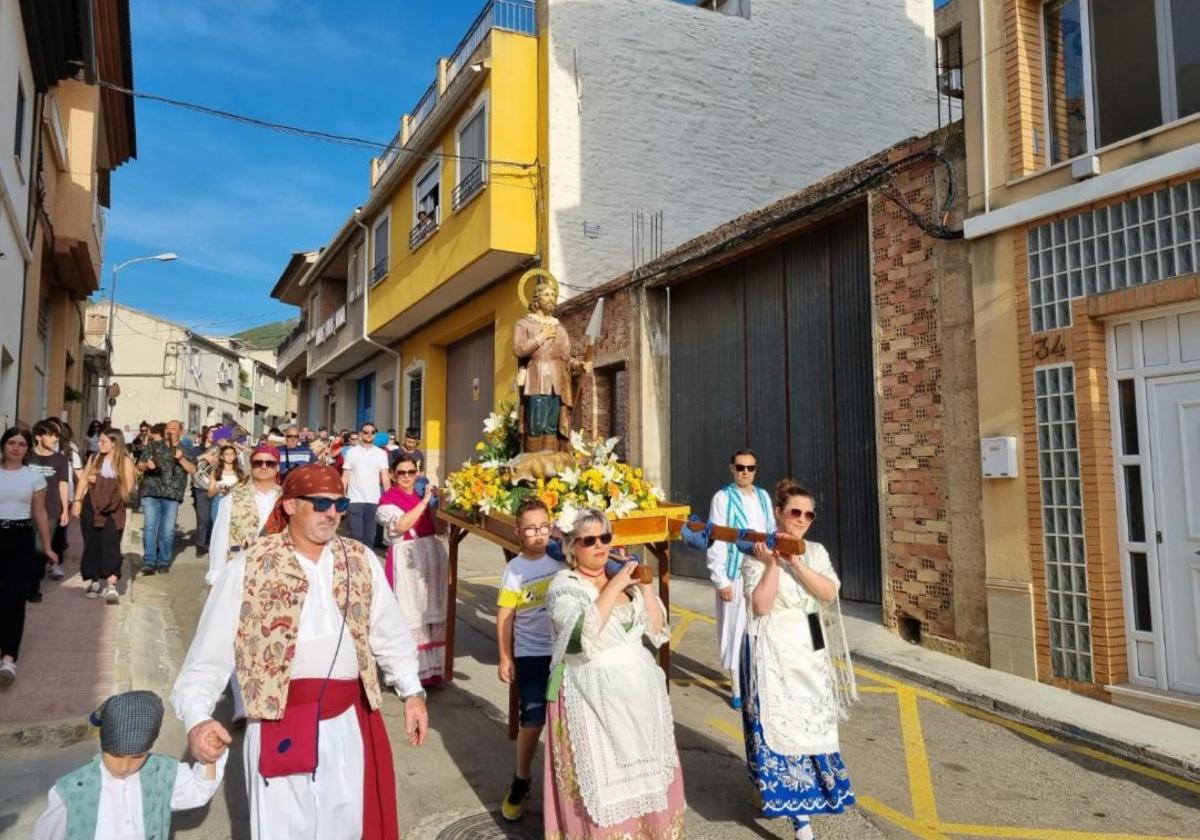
291,356
338,343
518,16
476,215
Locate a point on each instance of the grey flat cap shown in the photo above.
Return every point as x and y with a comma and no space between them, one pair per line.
129,723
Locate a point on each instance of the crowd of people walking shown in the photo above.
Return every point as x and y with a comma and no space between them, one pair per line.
301,621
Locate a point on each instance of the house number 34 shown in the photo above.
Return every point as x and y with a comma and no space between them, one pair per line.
1044,349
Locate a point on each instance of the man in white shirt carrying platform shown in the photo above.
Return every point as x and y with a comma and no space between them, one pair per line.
364,476
307,620
737,505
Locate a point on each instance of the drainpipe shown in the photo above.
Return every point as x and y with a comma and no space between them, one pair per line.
987,163
366,297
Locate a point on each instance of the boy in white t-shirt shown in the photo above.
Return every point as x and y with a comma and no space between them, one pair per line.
523,633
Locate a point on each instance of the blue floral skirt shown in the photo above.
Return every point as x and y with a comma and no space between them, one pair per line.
792,786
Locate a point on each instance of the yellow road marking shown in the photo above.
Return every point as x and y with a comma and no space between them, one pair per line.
876,689
904,821
691,615
1140,769
678,631
492,580
1046,833
726,728
920,779
465,591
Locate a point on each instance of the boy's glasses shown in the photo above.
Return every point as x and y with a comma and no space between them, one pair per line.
588,542
745,467
530,530
321,504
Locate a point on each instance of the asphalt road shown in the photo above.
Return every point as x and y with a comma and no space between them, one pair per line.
922,766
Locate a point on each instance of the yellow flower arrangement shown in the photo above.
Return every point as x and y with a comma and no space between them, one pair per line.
599,479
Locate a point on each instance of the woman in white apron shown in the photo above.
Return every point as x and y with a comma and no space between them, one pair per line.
796,673
612,769
417,565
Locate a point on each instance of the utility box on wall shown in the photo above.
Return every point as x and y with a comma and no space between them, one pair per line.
999,456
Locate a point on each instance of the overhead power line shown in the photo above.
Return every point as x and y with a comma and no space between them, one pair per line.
306,133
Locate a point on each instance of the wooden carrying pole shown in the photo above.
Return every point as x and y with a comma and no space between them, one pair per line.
785,545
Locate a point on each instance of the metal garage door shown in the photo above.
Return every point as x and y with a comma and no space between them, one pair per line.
470,375
774,352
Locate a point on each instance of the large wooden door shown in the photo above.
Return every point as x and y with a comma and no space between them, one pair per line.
470,377
774,352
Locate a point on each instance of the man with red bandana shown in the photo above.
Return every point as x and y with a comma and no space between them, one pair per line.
306,620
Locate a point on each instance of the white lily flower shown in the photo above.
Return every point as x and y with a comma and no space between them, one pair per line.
566,519
570,477
659,493
622,506
579,444
596,500
493,423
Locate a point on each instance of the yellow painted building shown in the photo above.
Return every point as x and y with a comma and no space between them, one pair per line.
454,221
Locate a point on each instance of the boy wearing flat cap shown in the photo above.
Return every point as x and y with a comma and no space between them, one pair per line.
126,792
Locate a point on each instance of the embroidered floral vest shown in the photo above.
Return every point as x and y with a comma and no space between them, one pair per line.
272,600
244,524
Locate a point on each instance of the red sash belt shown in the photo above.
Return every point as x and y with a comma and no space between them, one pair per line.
289,746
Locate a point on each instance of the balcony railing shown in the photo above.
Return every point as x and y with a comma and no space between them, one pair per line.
245,394
423,109
513,15
332,324
290,338
470,186
379,270
424,229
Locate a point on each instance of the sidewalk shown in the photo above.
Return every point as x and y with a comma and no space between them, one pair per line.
69,658
1162,744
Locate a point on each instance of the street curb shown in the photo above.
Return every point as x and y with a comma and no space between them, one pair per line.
1139,753
55,733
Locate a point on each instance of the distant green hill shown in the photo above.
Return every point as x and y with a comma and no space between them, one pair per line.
266,336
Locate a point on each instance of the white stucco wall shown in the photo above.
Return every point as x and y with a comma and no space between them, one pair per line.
655,105
14,198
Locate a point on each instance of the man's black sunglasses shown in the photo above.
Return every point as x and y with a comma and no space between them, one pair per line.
321,504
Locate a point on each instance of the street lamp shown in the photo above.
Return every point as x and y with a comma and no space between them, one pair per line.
112,306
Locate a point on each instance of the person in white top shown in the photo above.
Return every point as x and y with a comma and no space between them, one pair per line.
364,478
737,505
22,508
797,673
308,646
524,636
241,516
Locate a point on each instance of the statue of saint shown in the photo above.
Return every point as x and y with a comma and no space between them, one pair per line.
544,369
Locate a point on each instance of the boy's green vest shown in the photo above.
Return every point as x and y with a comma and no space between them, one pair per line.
80,792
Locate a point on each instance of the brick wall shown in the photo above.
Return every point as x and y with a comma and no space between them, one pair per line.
613,351
913,315
1024,97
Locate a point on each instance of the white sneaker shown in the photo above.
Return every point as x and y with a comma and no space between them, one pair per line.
110,595
805,832
56,573
8,673
93,589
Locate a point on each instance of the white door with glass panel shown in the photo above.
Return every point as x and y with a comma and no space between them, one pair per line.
1174,404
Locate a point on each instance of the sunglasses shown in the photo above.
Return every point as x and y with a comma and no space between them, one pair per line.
264,464
745,467
797,513
406,472
321,504
588,542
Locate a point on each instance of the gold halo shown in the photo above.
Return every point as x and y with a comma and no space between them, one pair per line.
535,273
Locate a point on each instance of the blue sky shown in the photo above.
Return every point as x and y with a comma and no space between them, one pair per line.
234,201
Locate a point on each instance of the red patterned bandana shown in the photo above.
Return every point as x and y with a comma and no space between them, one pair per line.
309,480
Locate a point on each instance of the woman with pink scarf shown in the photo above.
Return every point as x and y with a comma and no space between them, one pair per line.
417,565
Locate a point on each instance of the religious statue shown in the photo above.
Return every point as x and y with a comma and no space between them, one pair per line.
544,368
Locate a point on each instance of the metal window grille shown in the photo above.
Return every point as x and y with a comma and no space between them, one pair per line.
1128,243
414,400
1062,523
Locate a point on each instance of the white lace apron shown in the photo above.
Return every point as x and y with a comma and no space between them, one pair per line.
799,698
615,704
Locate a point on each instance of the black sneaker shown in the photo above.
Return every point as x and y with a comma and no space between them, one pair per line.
513,805
34,598
148,571
164,570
